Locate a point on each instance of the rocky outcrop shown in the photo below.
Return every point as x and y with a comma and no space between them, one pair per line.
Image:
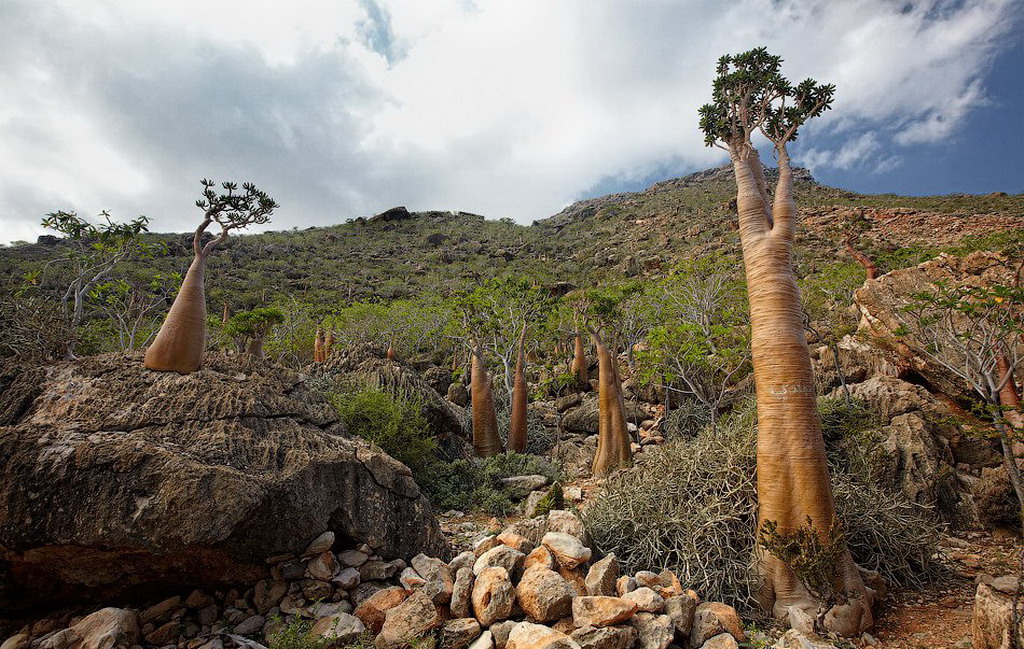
121,481
584,418
448,422
882,304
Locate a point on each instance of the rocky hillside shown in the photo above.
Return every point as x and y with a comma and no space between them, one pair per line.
401,254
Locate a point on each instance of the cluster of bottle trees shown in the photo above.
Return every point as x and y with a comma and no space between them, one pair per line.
687,332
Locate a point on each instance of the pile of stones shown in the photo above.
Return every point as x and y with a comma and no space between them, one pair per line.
536,585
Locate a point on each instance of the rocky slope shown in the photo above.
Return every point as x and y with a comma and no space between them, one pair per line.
120,481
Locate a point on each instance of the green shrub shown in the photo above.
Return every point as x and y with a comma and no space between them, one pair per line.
691,507
396,425
297,635
476,483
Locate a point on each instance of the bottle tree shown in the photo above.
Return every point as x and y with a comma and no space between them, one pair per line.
750,97
179,345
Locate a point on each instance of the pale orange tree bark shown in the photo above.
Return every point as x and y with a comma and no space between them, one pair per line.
751,97
179,345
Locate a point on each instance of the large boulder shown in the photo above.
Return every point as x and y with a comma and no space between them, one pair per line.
992,624
882,303
121,481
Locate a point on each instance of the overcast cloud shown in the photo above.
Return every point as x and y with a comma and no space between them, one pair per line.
504,107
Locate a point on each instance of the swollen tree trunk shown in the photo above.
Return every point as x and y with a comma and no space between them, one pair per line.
328,343
1008,395
318,347
486,441
391,353
179,345
226,315
517,429
793,481
613,450
579,362
255,346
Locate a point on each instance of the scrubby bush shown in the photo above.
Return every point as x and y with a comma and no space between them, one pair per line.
396,425
476,483
691,507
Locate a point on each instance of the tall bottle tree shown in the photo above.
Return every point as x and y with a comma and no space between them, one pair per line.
179,344
751,96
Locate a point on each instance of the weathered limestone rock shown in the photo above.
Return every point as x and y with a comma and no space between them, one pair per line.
602,576
993,614
485,641
646,600
107,628
612,637
793,639
560,520
681,608
721,641
17,641
713,618
500,631
493,595
373,610
461,592
503,556
410,620
653,631
544,595
569,551
320,544
459,633
339,628
537,636
625,584
241,440
540,556
323,566
485,543
600,610
254,624
516,541
464,559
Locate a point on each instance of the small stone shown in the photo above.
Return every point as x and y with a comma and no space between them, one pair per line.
560,520
161,612
107,628
485,641
320,544
648,578
793,639
339,628
713,618
602,576
540,556
568,550
461,591
526,635
653,631
500,632
411,580
612,637
668,584
414,618
625,584
373,610
515,541
17,641
520,485
681,609
721,641
459,633
464,559
544,595
198,599
62,639
250,625
599,610
206,616
348,578
503,556
323,566
576,577
484,544
375,570
353,558
493,596
165,634
294,570
646,600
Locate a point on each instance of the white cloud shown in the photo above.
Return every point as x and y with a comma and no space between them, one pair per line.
503,107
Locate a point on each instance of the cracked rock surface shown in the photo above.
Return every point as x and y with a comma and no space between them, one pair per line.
117,480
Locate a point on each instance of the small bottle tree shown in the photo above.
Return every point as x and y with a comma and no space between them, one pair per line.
250,328
180,343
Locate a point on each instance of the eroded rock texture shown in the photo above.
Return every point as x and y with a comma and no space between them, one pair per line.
118,480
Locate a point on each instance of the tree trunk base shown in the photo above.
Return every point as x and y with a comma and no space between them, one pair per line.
788,600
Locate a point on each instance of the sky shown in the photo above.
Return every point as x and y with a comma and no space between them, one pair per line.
507,108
